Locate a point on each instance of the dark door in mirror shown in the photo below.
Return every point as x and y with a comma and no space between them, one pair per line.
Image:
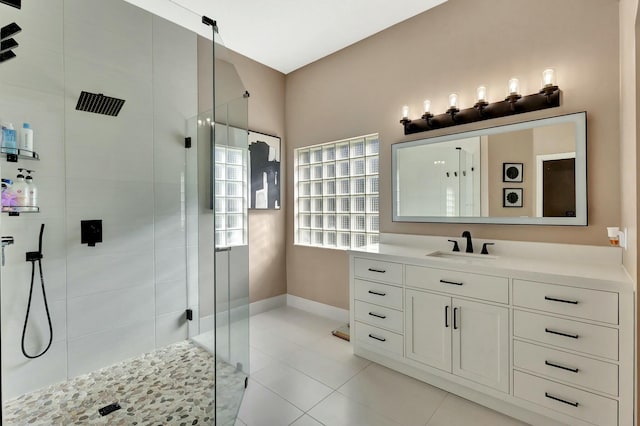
559,193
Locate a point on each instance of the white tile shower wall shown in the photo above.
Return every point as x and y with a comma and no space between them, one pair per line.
114,300
109,177
175,98
32,88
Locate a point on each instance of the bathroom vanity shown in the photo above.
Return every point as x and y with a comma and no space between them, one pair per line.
541,332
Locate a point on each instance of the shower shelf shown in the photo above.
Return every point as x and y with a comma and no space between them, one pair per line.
23,154
16,210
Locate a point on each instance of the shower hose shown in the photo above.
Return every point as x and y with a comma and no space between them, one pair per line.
34,257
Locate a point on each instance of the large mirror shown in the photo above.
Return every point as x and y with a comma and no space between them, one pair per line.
533,172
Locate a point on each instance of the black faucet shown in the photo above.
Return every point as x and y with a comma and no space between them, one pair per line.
467,235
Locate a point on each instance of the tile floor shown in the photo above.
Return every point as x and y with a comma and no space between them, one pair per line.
301,375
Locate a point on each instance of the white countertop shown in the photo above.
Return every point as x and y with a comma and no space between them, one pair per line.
592,274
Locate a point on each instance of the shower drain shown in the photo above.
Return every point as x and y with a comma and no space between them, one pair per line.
108,409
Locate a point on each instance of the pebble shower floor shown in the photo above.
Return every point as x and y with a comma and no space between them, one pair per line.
169,386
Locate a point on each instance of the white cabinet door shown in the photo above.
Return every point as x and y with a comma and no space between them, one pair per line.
481,343
428,329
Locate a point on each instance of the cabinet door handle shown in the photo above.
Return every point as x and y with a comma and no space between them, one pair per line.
446,316
551,364
553,299
560,333
382,339
555,398
380,271
373,314
455,320
377,293
450,282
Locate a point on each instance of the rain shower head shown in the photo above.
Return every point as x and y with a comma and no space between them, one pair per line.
15,3
6,56
99,104
9,30
8,44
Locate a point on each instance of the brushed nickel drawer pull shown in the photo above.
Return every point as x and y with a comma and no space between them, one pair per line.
553,299
551,364
555,398
373,314
559,333
377,293
380,271
382,339
450,282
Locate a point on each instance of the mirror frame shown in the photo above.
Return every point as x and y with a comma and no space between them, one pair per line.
580,121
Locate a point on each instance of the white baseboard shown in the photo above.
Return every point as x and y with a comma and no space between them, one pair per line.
265,305
318,308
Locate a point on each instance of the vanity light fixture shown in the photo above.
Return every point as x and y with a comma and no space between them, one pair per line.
427,110
514,103
548,82
405,115
481,102
453,106
514,86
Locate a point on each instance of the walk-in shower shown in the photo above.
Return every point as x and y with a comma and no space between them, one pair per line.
149,323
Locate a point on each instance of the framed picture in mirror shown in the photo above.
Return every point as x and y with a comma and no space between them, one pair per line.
512,172
512,197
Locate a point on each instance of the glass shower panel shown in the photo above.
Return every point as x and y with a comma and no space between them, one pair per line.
231,257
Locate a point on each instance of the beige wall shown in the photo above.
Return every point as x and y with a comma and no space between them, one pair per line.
267,230
361,89
512,147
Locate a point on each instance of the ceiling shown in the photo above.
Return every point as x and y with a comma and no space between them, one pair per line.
288,34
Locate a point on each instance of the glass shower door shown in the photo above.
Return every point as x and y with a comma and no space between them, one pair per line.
231,258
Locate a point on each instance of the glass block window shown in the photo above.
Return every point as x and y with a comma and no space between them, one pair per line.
231,196
336,193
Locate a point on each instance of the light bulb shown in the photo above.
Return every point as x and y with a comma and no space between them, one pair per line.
453,100
427,106
482,93
405,112
513,86
549,77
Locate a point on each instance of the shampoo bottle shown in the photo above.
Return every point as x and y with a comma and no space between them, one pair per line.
32,190
26,139
20,189
9,143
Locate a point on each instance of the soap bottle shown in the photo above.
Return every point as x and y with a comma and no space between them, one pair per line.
8,196
20,189
9,143
26,139
31,190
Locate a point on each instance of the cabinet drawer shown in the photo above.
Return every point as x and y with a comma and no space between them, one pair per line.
578,336
570,368
379,294
483,287
378,270
575,302
573,402
379,316
378,338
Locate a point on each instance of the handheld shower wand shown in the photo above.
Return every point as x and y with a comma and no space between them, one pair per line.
33,257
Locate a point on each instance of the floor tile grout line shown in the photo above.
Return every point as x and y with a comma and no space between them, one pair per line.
446,395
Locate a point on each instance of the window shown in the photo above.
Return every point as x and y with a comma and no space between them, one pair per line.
231,198
336,193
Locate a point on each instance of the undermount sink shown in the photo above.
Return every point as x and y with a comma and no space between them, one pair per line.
460,256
